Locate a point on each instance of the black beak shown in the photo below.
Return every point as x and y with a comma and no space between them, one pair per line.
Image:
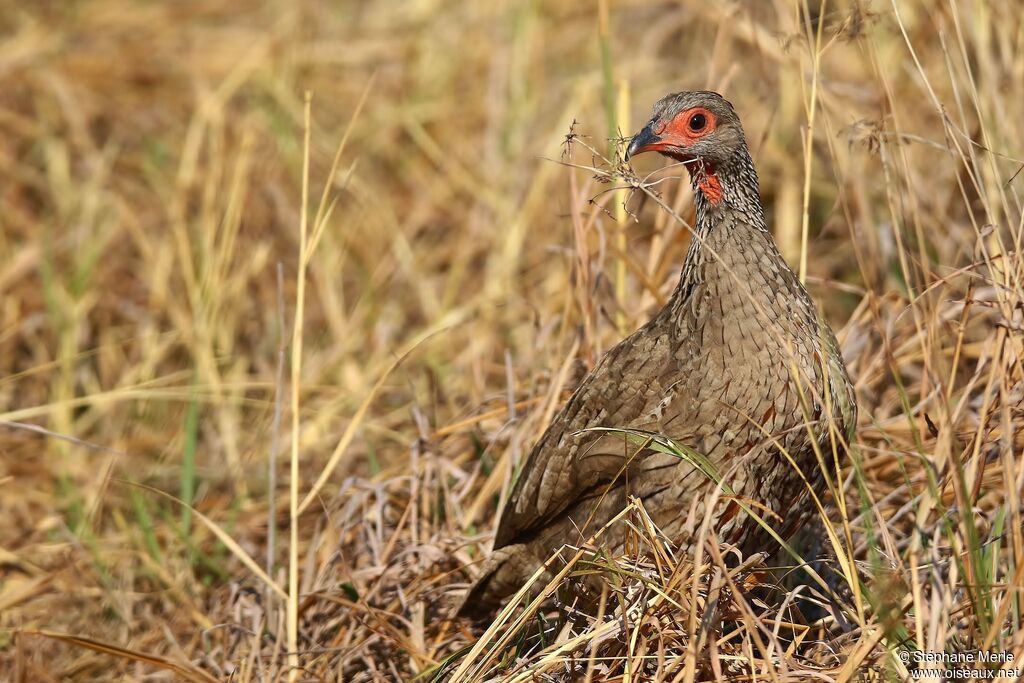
642,141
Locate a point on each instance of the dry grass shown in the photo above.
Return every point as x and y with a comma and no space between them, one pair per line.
153,165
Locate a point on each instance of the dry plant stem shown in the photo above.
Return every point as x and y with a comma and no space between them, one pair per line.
224,537
185,671
296,377
323,213
808,138
620,199
275,435
583,277
591,660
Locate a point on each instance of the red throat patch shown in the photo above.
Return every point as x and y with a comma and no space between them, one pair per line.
710,186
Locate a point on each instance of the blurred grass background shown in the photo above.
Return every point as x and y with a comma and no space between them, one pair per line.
152,162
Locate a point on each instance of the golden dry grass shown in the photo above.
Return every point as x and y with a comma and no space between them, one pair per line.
152,221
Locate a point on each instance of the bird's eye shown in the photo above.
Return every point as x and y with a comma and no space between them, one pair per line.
698,122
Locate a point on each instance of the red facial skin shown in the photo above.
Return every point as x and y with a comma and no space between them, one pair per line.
676,136
677,131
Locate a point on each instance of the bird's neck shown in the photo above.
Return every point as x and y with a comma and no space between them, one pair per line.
730,238
730,188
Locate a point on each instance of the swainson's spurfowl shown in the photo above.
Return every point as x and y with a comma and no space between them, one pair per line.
738,366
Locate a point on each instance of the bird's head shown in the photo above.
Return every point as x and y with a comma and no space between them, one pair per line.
699,128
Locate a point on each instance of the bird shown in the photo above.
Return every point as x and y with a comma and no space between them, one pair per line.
738,367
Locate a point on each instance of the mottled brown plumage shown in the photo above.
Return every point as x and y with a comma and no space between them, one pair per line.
733,366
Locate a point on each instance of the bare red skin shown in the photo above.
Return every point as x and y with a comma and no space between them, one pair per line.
676,135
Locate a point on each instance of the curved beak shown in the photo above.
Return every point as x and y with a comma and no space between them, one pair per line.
644,141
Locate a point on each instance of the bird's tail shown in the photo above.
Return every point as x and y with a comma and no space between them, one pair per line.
504,574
